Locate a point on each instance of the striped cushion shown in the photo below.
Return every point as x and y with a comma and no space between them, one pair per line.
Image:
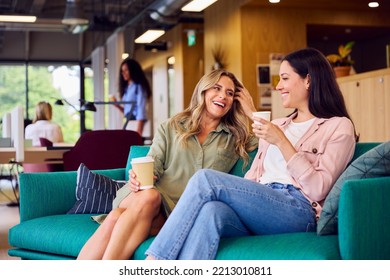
94,192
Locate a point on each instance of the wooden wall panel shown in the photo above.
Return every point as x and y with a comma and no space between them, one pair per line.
267,30
222,29
192,61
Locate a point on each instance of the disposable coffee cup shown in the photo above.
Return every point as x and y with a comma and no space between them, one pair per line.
263,115
143,168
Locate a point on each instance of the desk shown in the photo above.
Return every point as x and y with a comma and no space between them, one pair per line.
35,154
31,155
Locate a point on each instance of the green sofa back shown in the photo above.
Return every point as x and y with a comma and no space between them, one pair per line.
141,151
239,169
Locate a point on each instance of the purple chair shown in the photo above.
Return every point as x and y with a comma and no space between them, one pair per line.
101,149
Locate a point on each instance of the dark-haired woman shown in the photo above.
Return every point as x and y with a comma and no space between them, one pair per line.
133,87
298,160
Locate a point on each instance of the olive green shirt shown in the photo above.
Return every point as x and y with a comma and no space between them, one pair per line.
175,164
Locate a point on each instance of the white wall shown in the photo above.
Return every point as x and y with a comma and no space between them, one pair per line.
115,49
98,56
160,92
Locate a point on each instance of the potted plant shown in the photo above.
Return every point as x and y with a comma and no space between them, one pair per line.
219,58
342,61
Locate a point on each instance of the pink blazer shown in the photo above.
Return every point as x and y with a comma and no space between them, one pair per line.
323,153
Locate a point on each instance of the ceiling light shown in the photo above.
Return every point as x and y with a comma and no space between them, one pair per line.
149,36
78,28
197,5
171,60
13,18
274,1
373,4
74,13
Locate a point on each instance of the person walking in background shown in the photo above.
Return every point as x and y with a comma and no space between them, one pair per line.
43,126
133,87
213,132
298,160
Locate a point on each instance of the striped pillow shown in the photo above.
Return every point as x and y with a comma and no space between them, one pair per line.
94,192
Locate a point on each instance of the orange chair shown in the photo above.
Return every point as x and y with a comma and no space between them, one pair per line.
101,149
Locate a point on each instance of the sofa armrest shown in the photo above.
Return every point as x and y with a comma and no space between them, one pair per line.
364,219
52,193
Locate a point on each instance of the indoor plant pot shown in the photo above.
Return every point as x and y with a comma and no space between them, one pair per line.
342,71
342,61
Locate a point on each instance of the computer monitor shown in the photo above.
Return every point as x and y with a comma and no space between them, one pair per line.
6,123
17,132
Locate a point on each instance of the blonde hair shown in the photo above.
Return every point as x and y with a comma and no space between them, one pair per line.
43,111
235,119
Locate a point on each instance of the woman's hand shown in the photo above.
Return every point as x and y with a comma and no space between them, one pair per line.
274,135
243,96
112,98
269,132
134,185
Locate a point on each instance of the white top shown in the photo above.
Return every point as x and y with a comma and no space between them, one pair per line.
275,166
45,129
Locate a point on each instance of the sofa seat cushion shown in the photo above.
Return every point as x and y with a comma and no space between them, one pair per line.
33,255
56,234
291,246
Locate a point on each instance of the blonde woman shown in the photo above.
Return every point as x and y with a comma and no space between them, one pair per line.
43,126
213,132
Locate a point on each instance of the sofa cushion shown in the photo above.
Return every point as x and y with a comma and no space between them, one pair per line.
94,192
57,234
291,246
374,163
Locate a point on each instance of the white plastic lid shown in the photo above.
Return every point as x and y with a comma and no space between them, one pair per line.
142,160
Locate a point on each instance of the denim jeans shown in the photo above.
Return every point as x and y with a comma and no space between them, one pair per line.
215,204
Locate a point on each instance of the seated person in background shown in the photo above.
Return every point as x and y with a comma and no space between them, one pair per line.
213,132
299,159
42,126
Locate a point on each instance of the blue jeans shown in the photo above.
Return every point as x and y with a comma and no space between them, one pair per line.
215,204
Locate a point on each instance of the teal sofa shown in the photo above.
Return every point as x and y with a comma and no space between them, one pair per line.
46,232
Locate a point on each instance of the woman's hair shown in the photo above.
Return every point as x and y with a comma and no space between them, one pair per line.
43,111
325,97
137,75
188,122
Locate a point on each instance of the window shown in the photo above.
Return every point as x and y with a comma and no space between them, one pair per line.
27,85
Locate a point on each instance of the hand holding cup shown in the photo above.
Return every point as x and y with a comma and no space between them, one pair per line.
262,115
143,168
